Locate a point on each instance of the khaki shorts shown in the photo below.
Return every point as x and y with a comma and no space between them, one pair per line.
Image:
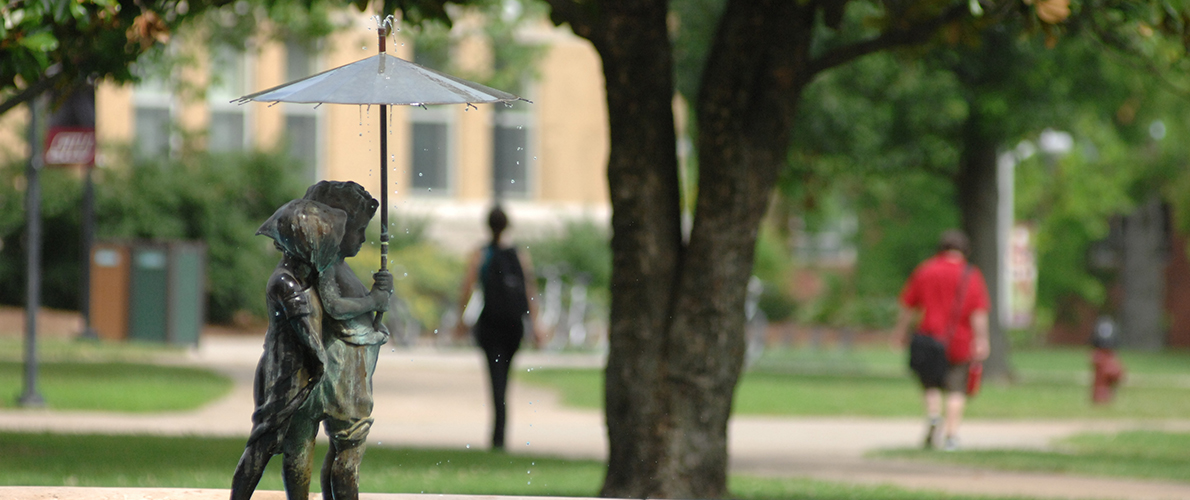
955,380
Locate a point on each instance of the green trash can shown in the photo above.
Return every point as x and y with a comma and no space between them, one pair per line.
185,292
167,292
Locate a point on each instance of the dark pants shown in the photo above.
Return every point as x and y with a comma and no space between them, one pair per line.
499,343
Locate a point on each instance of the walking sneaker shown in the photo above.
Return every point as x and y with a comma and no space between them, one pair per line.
951,444
931,432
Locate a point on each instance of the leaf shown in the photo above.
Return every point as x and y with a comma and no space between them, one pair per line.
43,41
79,13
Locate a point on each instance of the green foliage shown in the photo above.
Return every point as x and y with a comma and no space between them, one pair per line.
121,387
61,254
1071,200
217,199
773,265
580,248
55,44
426,279
869,116
694,23
901,217
306,22
514,63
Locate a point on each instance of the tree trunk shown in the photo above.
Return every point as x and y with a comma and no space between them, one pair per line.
753,78
977,190
632,41
677,314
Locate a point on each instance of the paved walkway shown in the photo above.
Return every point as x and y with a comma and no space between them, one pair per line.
430,398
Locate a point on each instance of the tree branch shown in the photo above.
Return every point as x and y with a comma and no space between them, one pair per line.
579,14
31,92
901,37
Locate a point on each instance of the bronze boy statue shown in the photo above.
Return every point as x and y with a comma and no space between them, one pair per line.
308,235
350,337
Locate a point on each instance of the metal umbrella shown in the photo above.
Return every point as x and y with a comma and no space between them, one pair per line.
382,80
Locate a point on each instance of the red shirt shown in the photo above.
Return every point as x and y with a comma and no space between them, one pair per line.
932,288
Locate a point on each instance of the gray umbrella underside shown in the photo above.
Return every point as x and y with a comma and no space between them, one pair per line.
381,79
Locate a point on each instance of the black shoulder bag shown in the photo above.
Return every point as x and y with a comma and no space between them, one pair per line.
927,355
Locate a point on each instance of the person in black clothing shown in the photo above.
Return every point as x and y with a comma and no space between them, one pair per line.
505,276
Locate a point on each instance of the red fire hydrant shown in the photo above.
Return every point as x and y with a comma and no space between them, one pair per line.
1108,372
1107,367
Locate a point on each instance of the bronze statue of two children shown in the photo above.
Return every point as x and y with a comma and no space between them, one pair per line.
321,347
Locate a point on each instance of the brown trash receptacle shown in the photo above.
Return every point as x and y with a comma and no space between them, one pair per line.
110,271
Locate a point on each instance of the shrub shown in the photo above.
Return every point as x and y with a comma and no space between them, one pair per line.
581,248
426,279
217,199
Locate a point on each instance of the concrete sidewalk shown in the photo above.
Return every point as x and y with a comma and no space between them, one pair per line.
433,398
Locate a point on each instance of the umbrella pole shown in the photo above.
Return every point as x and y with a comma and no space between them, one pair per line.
382,31
383,180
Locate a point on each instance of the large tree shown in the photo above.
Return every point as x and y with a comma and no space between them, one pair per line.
676,333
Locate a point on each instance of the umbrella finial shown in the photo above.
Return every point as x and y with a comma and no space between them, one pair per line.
383,28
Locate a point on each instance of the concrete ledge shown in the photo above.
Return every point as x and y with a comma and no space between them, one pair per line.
80,493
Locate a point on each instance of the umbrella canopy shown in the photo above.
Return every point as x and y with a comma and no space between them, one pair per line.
381,79
384,80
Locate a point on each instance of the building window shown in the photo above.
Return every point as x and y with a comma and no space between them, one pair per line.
431,156
301,120
510,154
152,102
228,130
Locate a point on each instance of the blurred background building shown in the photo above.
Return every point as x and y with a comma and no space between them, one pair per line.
545,160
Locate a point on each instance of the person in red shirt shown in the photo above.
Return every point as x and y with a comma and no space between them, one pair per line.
931,296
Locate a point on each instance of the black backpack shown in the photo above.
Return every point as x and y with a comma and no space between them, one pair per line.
504,297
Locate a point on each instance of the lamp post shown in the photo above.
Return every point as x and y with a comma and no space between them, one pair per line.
30,397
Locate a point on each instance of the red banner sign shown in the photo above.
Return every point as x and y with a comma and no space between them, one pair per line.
70,146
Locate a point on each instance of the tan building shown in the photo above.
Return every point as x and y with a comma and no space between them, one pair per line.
546,160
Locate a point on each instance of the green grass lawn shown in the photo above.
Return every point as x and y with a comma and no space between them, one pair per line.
12,348
115,386
188,462
1050,383
108,376
1135,454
